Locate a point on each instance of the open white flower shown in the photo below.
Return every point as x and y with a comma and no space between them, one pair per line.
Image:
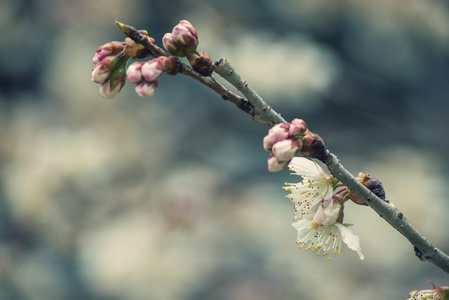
315,186
323,234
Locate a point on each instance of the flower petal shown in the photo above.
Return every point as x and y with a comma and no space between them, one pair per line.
309,168
351,239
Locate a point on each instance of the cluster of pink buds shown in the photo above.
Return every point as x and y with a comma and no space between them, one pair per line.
110,68
146,76
181,40
284,141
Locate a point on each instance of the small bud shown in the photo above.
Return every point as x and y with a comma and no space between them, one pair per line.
370,183
374,185
185,35
126,29
117,79
151,70
134,72
172,65
146,89
274,165
172,47
108,49
276,134
201,63
313,146
136,50
297,128
102,71
285,150
112,87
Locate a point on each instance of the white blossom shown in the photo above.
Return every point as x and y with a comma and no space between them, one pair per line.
315,186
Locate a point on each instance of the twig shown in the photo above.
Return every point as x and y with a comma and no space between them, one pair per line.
262,111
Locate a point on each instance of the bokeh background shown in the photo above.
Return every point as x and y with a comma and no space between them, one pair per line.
169,197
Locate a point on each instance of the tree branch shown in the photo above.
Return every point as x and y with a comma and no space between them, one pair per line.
262,111
255,106
424,250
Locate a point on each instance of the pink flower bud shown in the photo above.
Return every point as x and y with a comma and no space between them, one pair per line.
285,150
297,128
111,88
102,70
185,35
172,65
151,70
146,89
134,72
116,81
276,134
171,46
274,165
108,49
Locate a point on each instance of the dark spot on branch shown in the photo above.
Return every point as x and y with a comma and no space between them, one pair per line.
418,253
400,215
368,199
246,106
224,97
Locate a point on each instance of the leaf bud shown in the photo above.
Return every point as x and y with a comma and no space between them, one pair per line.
201,63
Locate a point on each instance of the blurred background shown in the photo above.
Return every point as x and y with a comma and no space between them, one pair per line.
169,197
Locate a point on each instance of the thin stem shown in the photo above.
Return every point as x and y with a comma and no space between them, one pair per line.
262,111
225,94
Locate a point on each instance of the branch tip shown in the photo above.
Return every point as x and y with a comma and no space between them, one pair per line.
126,29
